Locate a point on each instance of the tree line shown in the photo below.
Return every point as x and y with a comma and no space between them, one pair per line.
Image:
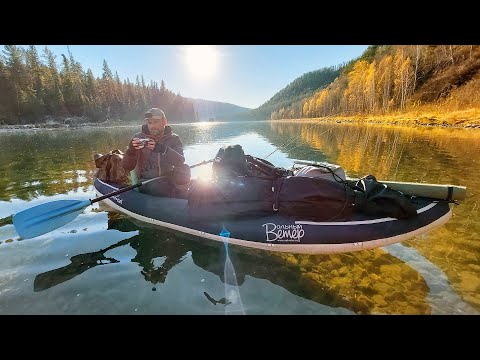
34,88
392,78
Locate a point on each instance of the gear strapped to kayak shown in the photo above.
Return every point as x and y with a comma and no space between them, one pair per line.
253,203
314,209
110,169
244,185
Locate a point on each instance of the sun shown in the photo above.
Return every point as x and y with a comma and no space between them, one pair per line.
201,60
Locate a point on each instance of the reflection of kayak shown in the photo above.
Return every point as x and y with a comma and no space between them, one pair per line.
276,232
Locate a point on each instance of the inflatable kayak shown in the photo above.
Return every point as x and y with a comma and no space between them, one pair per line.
275,232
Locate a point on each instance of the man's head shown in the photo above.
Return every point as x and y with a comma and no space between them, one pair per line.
156,121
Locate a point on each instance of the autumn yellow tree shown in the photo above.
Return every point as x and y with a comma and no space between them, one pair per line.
384,84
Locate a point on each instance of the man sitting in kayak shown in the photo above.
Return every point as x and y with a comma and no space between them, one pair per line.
155,151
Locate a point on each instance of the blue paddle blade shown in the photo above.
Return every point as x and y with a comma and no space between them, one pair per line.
44,218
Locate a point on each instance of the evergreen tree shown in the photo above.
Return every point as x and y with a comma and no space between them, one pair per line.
54,101
34,84
15,71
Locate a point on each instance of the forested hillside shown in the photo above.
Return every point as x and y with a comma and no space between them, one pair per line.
397,78
300,88
34,88
385,80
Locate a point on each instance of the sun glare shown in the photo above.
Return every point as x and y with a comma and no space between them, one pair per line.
202,60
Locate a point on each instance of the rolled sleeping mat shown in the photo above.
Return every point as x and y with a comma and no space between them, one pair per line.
435,191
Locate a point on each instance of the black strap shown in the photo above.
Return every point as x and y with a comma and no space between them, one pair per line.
450,193
276,186
267,169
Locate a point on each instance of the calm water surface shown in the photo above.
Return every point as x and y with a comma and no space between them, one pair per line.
104,262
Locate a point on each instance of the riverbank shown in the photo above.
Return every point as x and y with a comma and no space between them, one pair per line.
469,119
70,123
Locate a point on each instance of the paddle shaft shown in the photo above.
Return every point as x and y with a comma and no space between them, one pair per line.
127,188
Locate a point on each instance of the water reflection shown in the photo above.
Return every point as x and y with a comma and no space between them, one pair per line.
35,165
232,291
79,264
390,153
441,296
364,283
417,154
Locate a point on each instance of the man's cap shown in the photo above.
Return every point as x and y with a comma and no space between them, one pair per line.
155,113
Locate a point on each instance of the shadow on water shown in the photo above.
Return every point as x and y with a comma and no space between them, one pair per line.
364,282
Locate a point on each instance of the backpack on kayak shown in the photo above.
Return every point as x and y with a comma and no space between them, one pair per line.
110,169
229,163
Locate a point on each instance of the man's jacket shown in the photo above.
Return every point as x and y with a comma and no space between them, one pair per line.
148,164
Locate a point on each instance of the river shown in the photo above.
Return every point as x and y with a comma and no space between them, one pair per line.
103,262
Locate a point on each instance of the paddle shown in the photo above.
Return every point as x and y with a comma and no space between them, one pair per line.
47,217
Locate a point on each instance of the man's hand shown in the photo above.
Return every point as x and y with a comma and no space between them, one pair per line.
140,143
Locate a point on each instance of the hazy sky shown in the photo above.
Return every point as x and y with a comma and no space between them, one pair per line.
244,75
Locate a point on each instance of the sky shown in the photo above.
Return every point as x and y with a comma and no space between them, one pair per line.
244,75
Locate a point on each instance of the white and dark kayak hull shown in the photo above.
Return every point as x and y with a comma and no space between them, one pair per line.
280,233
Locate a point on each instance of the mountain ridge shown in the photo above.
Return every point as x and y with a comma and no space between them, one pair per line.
209,110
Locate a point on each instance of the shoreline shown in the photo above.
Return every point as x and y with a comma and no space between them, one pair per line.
347,120
458,119
62,126
464,119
